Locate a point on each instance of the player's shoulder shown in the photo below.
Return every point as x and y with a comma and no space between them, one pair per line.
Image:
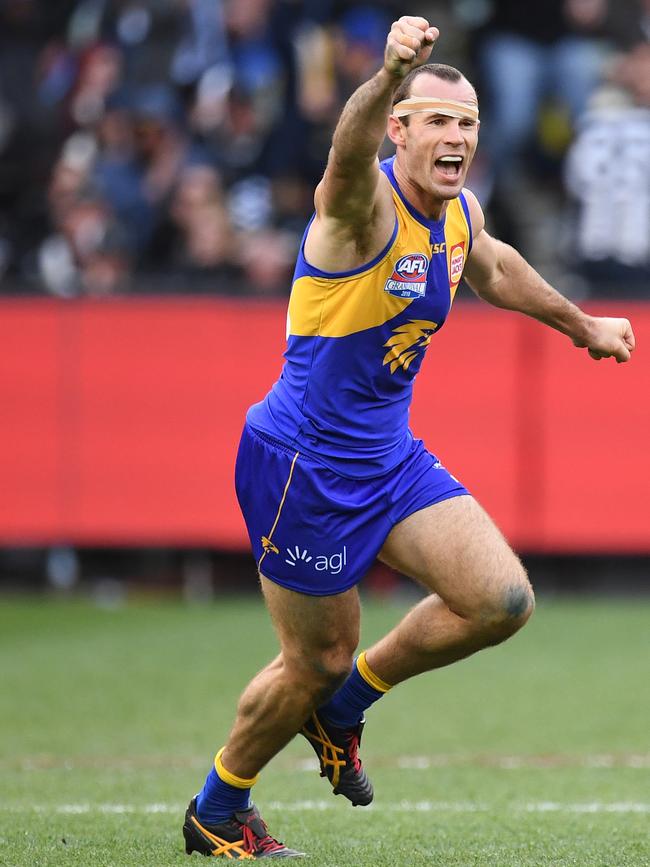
345,241
476,216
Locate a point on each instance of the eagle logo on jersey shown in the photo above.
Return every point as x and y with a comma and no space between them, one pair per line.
408,341
409,277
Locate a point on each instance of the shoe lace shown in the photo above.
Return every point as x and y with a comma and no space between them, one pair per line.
333,756
255,844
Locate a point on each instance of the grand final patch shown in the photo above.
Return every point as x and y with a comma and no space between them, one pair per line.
409,277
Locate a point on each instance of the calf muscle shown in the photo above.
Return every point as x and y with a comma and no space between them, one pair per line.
318,636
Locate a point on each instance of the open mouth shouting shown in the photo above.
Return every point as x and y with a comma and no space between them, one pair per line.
450,166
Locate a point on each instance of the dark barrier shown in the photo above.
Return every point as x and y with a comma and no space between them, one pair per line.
121,418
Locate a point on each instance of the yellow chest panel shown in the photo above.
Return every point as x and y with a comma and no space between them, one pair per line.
418,263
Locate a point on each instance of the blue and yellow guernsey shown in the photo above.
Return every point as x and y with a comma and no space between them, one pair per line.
356,340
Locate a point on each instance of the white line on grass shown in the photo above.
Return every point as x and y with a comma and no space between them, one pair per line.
508,763
396,807
473,807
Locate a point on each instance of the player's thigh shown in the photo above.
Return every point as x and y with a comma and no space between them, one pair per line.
315,632
454,549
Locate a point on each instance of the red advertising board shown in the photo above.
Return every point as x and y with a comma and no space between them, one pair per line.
119,422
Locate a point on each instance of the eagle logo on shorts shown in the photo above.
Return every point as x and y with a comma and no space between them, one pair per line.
408,341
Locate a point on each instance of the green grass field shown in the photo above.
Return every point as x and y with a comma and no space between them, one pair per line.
536,752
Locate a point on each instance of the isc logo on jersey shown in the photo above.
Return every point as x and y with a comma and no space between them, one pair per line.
409,277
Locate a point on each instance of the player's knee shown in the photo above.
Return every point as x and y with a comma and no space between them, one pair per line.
329,670
510,608
318,673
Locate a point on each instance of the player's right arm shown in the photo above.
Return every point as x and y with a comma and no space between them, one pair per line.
354,211
498,274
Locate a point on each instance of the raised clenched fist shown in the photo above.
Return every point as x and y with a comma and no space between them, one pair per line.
409,44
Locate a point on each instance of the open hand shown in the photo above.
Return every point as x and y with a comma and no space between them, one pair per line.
609,338
409,44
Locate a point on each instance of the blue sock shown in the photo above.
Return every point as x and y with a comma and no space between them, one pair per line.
219,798
360,690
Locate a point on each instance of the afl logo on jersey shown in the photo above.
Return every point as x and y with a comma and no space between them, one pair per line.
456,262
409,277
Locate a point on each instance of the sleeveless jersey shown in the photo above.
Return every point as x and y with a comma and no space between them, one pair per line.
356,340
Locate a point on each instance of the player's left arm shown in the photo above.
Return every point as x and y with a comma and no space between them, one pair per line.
497,273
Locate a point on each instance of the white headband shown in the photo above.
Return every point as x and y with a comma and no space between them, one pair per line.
449,107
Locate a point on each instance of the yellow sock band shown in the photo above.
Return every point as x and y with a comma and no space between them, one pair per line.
231,779
369,676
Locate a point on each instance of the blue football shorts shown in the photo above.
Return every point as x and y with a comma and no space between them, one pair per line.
316,532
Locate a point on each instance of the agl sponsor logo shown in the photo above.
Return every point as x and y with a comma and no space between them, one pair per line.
332,563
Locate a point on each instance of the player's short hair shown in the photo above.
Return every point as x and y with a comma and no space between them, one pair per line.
439,70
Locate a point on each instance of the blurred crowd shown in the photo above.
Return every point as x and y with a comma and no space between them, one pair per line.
174,145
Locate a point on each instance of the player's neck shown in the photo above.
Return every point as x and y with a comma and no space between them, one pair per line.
427,203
